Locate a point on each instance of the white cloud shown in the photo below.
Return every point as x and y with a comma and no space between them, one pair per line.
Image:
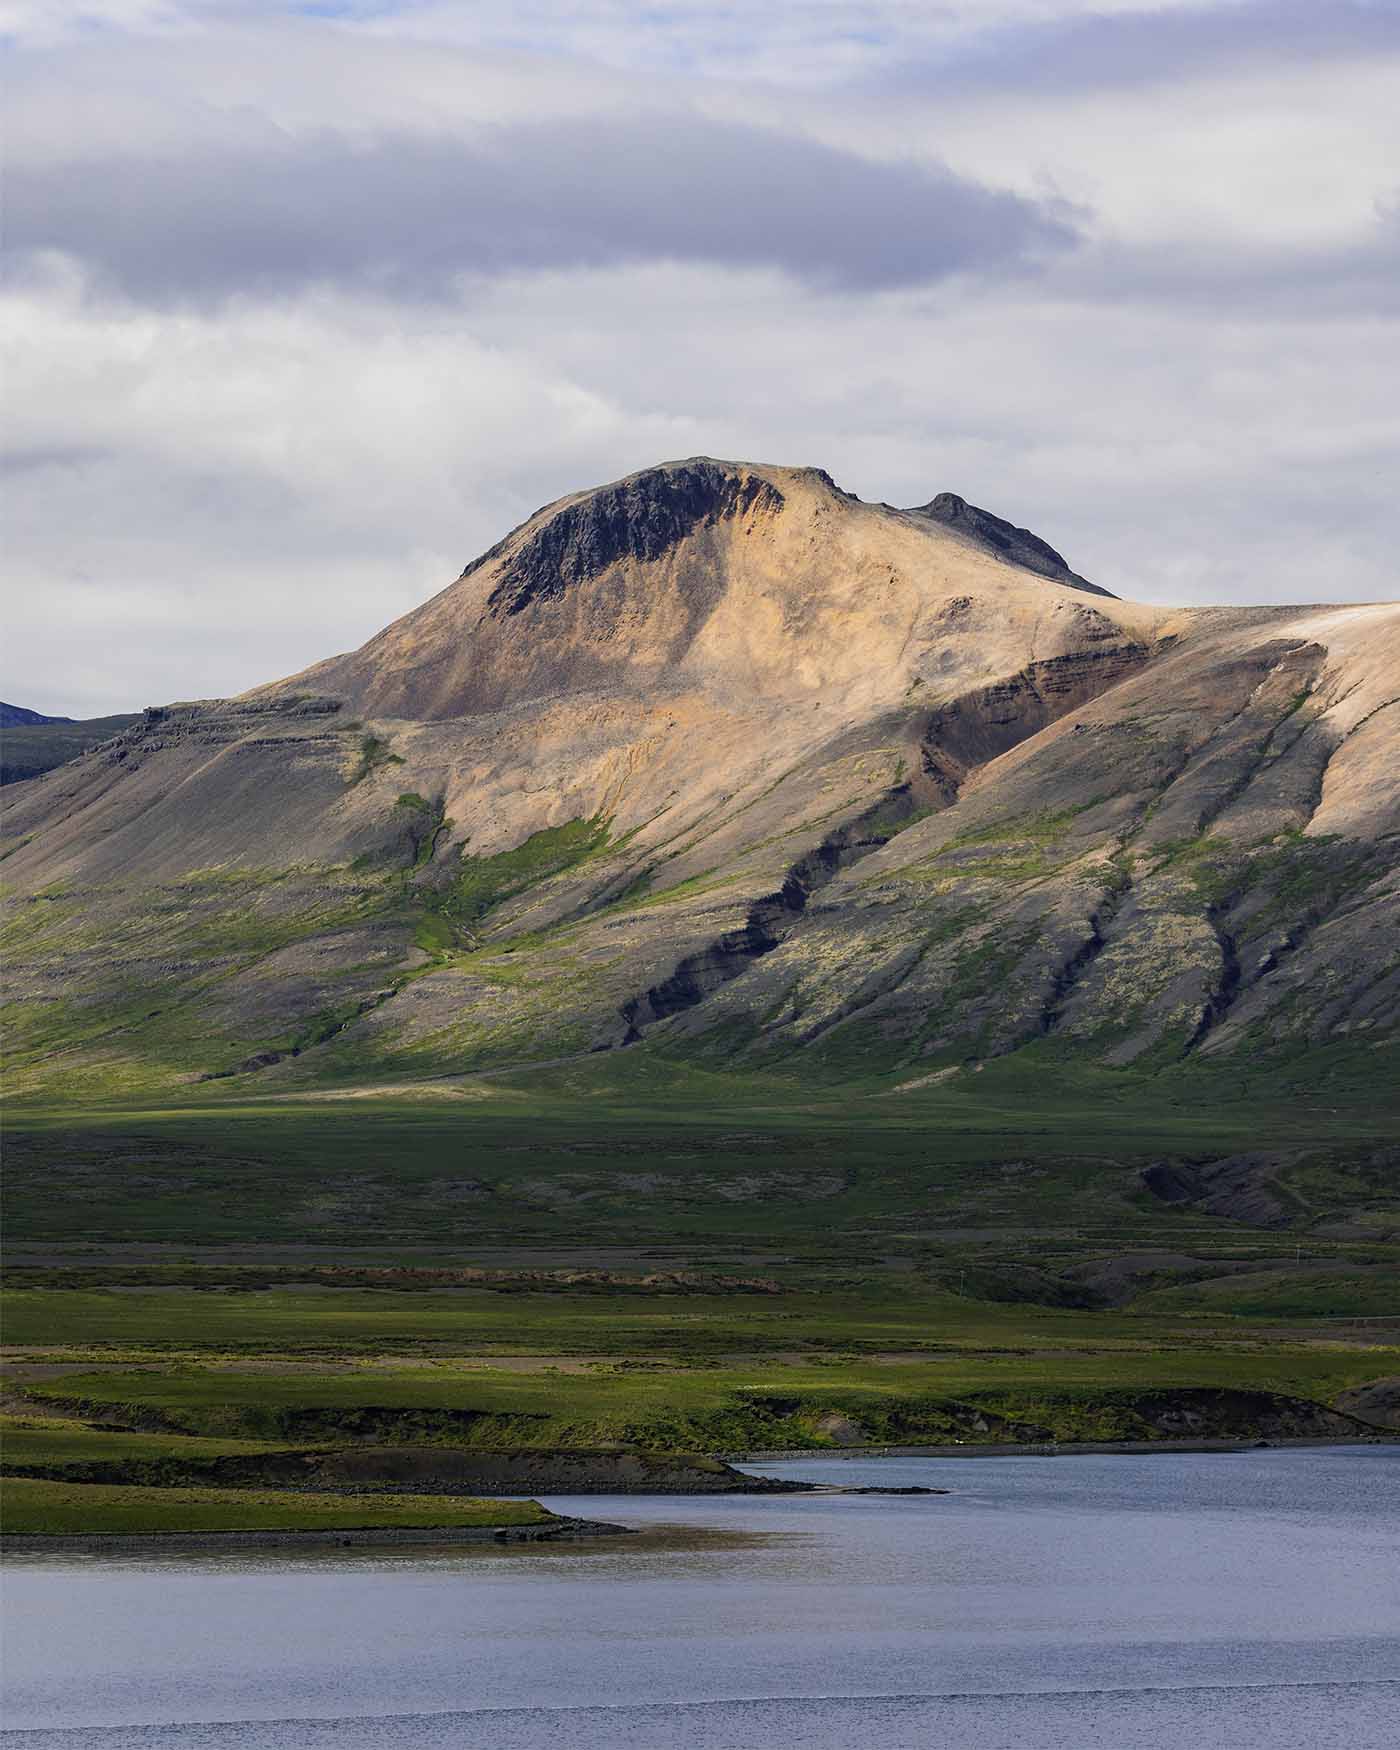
212,483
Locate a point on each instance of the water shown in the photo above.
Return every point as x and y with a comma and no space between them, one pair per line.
1172,1600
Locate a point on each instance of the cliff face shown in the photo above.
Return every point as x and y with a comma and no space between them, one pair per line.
640,519
720,757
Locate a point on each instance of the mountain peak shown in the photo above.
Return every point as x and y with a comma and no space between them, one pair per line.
640,517
994,534
716,574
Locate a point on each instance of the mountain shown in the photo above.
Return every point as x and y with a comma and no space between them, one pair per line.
720,762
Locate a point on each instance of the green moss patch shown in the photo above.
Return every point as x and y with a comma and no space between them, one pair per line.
480,884
374,753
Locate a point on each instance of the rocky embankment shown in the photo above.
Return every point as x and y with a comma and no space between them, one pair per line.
1378,1402
445,1470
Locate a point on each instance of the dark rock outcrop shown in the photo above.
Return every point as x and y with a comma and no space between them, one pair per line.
1238,1187
1017,546
640,518
1182,1413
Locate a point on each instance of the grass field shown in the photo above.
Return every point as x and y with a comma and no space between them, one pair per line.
628,1254
46,1508
666,1408
347,1321
681,1388
1371,1291
661,1152
60,1440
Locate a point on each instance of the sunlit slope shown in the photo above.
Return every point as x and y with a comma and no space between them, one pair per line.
722,762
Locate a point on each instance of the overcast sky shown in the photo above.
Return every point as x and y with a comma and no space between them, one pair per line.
306,305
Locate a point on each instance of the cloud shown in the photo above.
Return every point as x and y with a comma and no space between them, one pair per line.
309,312
799,42
200,501
1359,277
1071,50
215,497
413,214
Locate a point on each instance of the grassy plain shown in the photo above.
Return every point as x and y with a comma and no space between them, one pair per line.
631,1146
886,1315
670,1408
41,1507
63,1440
644,1255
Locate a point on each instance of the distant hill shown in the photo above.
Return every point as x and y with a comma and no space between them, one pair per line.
18,716
32,743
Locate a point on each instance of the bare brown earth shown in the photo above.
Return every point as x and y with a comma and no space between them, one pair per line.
721,757
1378,1402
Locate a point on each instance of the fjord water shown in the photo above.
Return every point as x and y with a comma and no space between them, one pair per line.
1243,1599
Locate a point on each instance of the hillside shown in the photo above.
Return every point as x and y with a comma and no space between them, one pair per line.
20,716
721,760
31,743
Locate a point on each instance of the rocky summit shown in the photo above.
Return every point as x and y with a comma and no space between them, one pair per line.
720,762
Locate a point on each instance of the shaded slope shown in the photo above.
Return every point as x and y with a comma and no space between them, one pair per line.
31,743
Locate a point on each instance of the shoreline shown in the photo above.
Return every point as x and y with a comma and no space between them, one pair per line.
568,1529
1058,1449
560,1530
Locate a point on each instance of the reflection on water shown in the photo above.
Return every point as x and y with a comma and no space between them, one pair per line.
1168,1600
